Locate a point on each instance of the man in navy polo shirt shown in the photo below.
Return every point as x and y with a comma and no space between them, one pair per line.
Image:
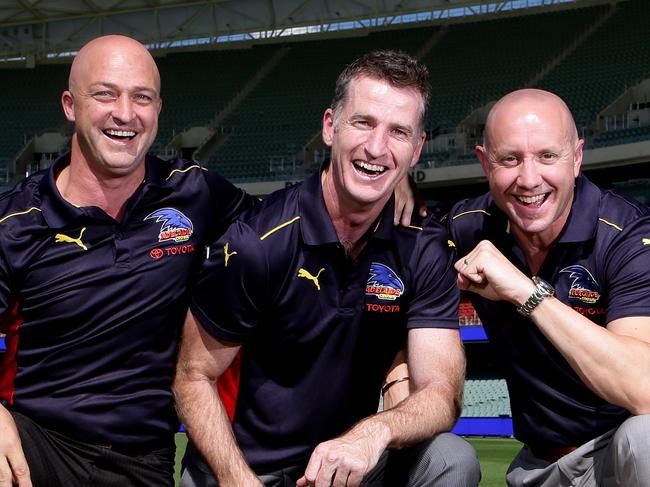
95,258
558,271
320,291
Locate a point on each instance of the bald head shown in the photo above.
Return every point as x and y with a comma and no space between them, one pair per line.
109,50
530,104
531,157
114,101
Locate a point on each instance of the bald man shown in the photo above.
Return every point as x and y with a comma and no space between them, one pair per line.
558,271
95,256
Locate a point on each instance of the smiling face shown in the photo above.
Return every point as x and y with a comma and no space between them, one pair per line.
375,138
531,158
114,102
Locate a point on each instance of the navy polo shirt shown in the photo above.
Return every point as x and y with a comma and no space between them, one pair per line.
93,307
319,330
599,266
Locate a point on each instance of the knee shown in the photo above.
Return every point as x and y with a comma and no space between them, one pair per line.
459,458
633,436
631,449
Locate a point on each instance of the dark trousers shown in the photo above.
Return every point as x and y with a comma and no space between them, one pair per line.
55,460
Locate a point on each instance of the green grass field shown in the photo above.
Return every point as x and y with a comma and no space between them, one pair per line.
494,454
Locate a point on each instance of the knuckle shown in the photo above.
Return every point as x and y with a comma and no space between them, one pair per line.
332,457
21,470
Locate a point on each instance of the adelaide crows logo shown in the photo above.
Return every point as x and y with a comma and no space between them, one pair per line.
583,285
175,226
384,283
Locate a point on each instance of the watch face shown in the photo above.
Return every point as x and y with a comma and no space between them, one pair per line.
544,286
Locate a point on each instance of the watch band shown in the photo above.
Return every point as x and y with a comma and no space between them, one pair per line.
542,290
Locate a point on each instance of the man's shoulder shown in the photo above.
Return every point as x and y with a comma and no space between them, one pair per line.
470,211
421,232
175,170
274,214
618,211
468,218
21,205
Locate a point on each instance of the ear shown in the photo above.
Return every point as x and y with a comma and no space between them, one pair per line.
67,101
577,158
481,153
160,102
418,149
328,127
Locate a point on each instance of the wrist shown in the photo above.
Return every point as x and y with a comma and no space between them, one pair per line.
374,429
541,291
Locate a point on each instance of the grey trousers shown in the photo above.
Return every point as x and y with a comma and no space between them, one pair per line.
620,457
446,460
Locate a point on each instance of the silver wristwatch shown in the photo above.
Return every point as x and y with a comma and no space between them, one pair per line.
542,290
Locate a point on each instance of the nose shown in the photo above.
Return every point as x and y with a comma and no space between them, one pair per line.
376,143
529,175
123,109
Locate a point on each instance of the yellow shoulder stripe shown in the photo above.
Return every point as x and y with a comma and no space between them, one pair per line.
611,224
279,227
471,211
195,166
415,228
10,215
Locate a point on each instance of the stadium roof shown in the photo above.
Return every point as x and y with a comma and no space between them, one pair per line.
34,30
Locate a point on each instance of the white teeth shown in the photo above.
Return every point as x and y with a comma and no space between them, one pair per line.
370,167
121,133
530,199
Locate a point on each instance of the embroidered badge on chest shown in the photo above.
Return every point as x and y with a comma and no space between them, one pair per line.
175,227
384,283
584,287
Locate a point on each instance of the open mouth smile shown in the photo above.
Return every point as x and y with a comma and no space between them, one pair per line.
532,201
120,134
368,169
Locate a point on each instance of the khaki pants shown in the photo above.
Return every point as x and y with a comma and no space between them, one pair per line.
620,457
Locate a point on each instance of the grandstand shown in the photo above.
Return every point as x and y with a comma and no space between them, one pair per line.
252,109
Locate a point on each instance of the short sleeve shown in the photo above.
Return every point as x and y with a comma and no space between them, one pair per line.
628,272
231,286
436,297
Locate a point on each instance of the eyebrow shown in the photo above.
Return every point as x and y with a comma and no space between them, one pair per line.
406,128
107,84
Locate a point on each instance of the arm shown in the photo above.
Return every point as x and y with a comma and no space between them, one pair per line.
202,359
396,384
437,365
13,465
614,362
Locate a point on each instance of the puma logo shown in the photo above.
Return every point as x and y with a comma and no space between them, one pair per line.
227,254
645,241
60,238
305,274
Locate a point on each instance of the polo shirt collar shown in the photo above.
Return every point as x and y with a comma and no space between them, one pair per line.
59,213
583,219
315,222
157,173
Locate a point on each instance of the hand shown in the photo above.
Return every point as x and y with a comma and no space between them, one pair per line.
407,198
487,272
341,462
13,465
